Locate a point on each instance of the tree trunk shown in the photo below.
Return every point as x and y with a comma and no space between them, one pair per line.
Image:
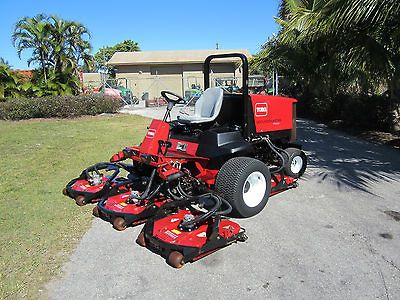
44,67
394,86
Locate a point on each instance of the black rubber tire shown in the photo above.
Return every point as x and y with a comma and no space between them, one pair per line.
80,200
65,191
231,179
119,224
294,152
96,211
176,259
141,241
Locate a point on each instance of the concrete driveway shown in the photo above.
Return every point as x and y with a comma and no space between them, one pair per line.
337,236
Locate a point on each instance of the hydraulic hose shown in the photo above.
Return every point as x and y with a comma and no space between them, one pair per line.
147,190
155,192
106,165
181,191
228,209
208,214
276,150
173,196
114,188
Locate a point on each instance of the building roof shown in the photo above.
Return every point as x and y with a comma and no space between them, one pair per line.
26,73
169,57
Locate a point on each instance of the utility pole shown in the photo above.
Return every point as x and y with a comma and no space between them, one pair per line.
217,46
273,82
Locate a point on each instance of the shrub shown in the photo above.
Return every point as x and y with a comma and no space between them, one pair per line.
359,112
57,107
368,112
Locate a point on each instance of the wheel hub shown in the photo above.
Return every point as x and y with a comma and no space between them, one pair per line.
297,164
254,189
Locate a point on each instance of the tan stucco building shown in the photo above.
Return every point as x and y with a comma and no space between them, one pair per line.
91,80
175,71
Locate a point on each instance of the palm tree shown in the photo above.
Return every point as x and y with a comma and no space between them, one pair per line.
3,62
375,36
337,46
78,45
70,45
345,13
34,33
59,46
360,37
70,49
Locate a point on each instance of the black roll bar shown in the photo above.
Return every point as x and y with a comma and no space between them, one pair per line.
245,69
248,114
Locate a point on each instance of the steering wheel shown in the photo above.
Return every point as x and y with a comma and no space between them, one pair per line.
176,98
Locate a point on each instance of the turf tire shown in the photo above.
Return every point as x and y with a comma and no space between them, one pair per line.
231,180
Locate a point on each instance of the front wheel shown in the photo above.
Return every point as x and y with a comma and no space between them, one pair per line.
141,241
119,224
246,184
96,212
80,200
176,259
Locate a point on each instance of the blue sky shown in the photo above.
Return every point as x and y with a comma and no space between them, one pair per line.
155,25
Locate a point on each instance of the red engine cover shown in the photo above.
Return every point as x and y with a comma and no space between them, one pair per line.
158,130
272,113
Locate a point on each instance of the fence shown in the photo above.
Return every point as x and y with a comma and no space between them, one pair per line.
149,87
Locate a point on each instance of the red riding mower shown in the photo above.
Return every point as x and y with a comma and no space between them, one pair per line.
240,146
236,149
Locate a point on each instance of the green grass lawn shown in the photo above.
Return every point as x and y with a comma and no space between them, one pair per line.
38,225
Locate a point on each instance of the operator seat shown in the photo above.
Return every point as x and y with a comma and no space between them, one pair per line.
207,107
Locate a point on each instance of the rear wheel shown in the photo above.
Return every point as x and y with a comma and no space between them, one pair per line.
246,184
65,192
297,163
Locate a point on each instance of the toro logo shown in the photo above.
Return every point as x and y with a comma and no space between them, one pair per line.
261,109
151,133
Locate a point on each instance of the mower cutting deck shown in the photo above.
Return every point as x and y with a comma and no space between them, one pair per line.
182,233
237,148
130,208
94,182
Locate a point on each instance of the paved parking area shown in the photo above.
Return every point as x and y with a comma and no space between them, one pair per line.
336,236
156,112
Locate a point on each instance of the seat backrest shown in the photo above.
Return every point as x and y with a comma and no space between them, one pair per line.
232,110
209,104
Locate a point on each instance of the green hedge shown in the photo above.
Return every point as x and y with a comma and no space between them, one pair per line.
57,107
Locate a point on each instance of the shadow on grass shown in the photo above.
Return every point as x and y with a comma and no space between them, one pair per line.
349,161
